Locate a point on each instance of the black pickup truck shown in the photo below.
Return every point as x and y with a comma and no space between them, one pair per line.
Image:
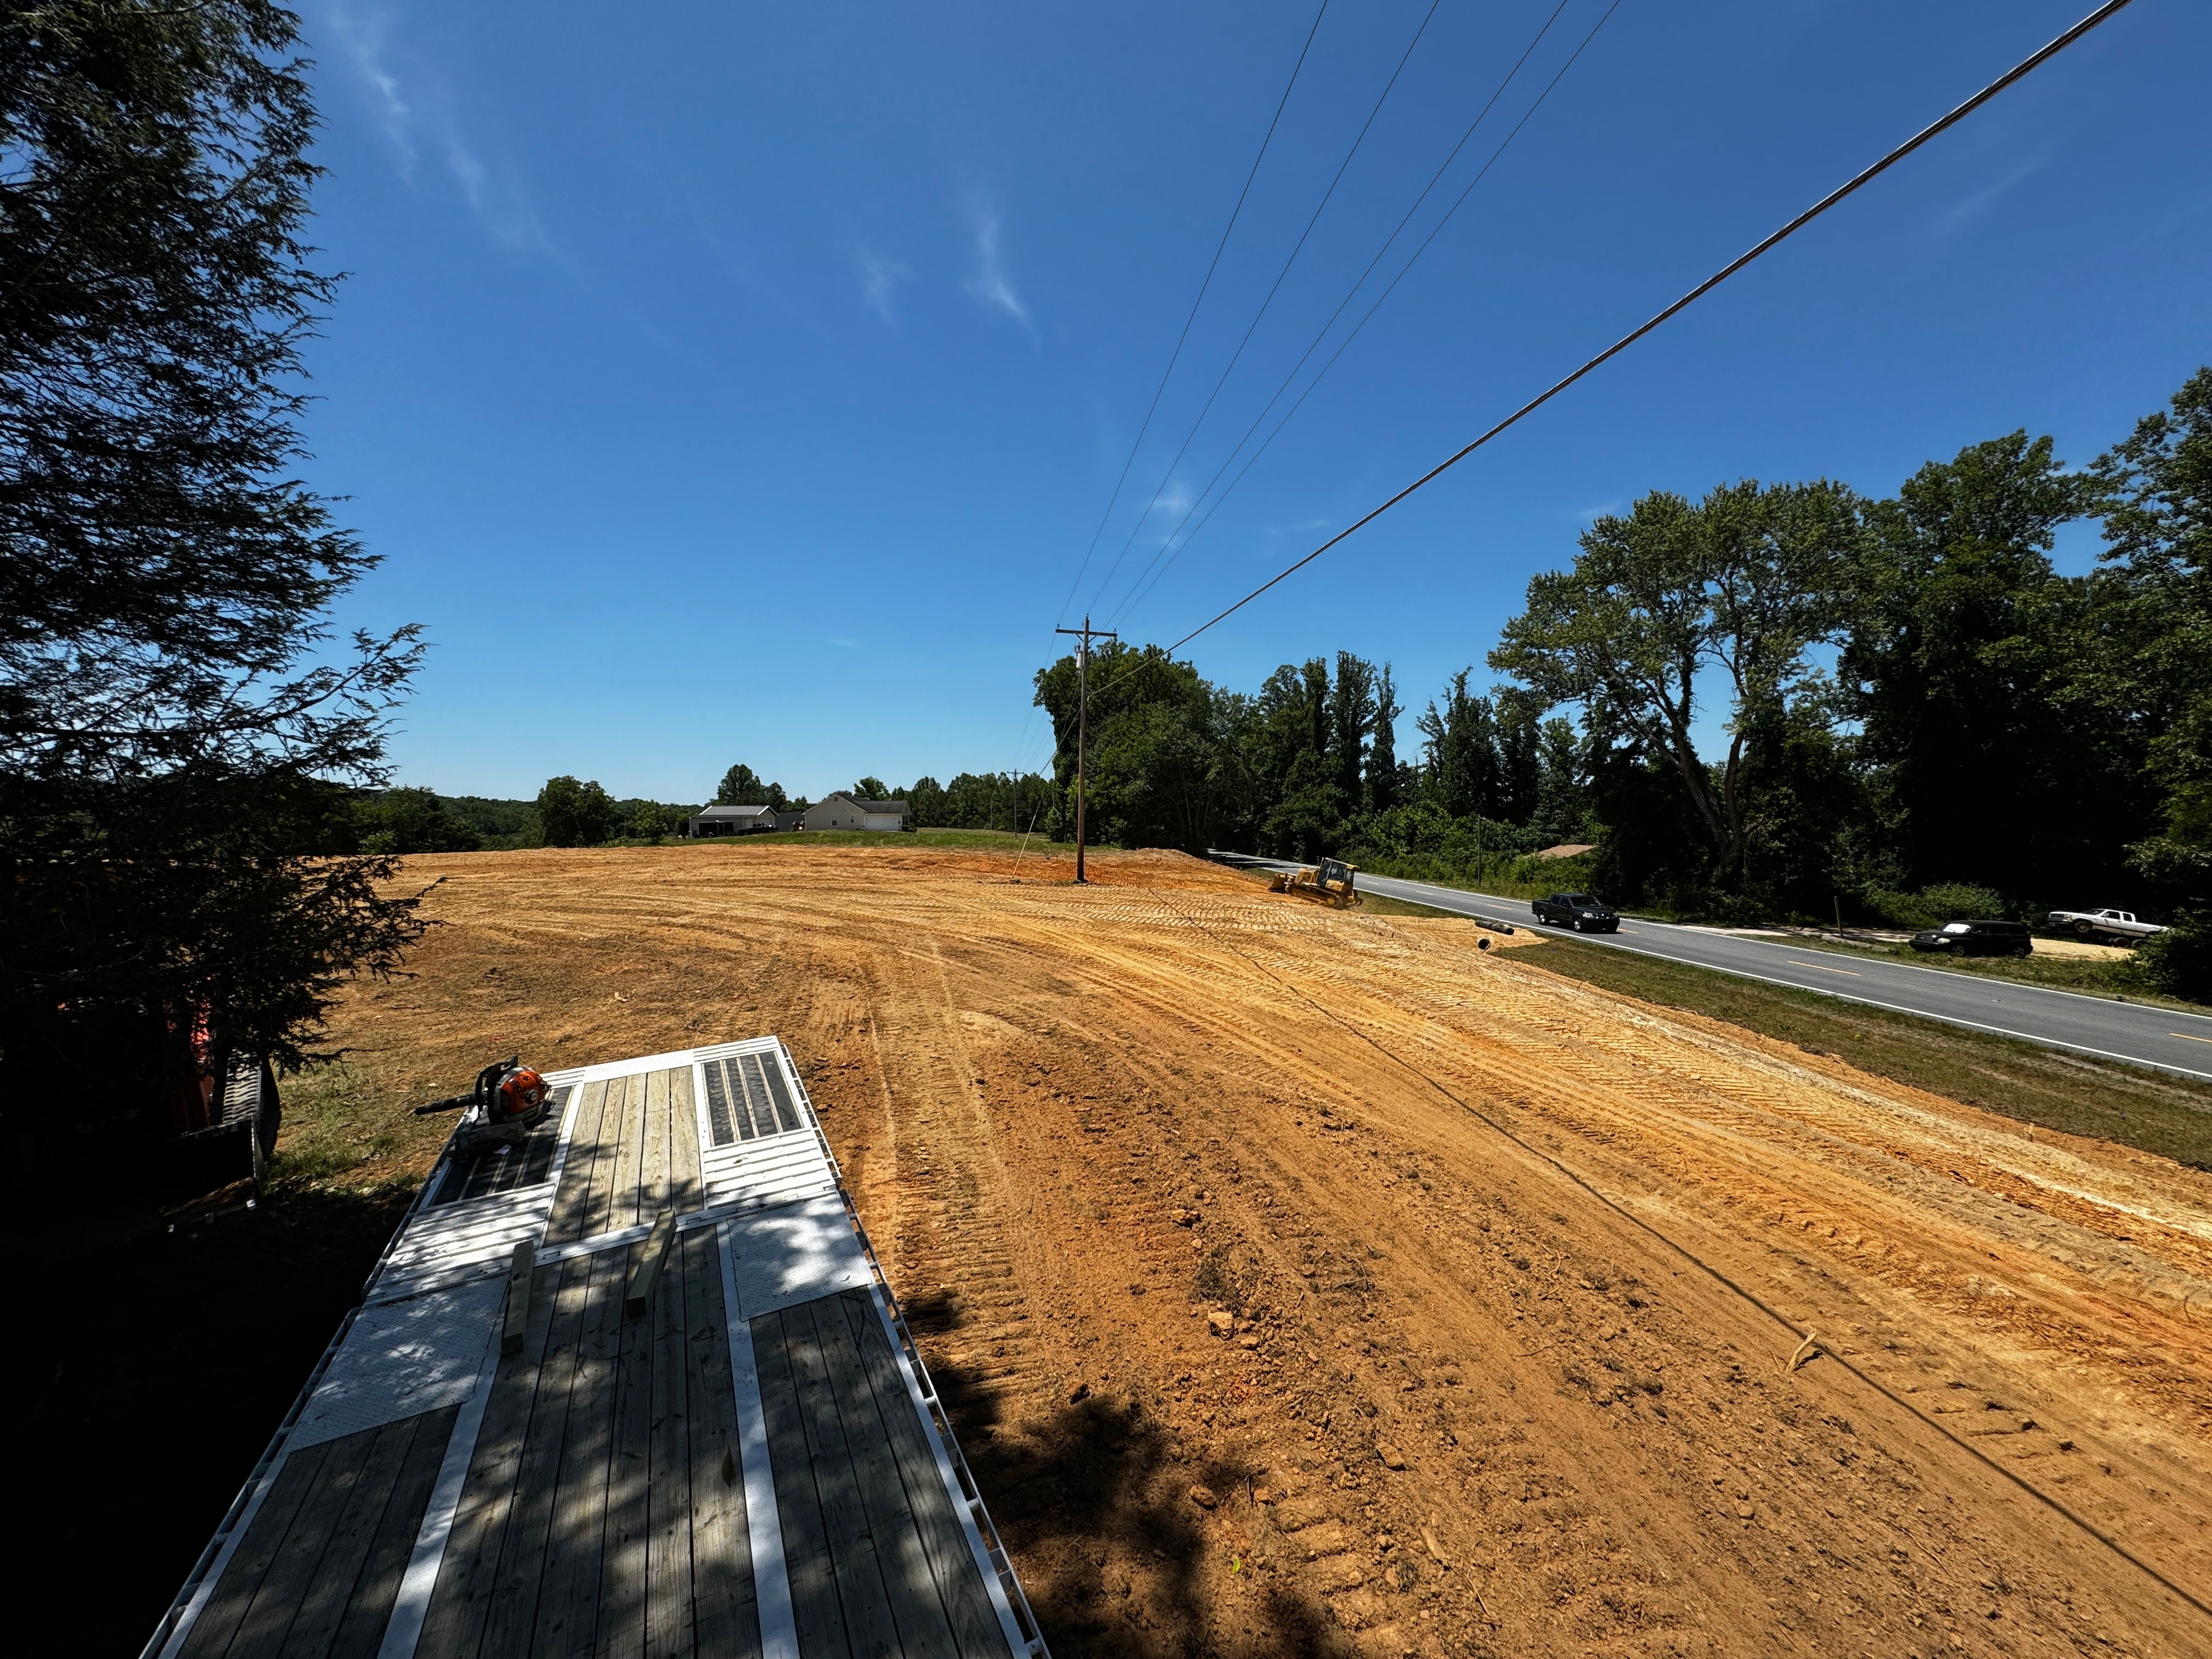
1977,939
1580,911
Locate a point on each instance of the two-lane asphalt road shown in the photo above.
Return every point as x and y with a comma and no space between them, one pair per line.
2137,1032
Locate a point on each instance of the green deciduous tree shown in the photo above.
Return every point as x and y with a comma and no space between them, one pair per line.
1738,587
1966,664
2158,523
1382,780
2158,661
1458,756
411,821
742,786
575,814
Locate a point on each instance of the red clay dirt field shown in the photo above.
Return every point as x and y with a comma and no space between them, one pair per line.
1312,1281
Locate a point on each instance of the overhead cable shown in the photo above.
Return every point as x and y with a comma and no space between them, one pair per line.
2023,68
1235,356
1141,586
1174,355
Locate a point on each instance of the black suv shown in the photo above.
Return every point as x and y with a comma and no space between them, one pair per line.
1977,939
1579,911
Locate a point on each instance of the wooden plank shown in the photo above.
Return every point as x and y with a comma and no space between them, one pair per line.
639,1297
669,1627
630,1470
630,1150
234,1593
543,1143
653,1165
568,1610
807,1561
684,1195
521,1272
871,1624
512,1615
292,1571
952,1564
360,1633
322,1608
461,1601
917,1603
723,1599
567,1219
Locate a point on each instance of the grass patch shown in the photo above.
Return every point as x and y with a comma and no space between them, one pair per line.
337,1120
2167,1115
1376,905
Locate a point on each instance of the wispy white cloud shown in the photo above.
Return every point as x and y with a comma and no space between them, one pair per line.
363,34
879,280
1174,500
987,283
1972,206
494,196
410,121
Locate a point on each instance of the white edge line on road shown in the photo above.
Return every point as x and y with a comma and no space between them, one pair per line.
1870,1002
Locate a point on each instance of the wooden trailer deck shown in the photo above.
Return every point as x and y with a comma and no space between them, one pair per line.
684,1417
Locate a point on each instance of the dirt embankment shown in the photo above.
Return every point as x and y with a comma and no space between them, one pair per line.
1310,1281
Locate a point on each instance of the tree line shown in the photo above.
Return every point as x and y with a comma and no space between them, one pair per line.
569,812
1781,699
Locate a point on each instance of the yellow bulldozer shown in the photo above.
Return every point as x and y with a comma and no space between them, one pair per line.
1331,882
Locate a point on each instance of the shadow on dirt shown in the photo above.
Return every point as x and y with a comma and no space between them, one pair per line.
1095,1505
150,1371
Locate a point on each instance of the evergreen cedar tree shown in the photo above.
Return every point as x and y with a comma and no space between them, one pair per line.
172,726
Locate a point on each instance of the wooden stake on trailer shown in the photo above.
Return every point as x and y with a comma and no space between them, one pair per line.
1084,636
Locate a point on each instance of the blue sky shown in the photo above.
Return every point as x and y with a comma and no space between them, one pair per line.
725,383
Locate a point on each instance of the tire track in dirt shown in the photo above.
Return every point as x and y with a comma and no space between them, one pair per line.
1163,1227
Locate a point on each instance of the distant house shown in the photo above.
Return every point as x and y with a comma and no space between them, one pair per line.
844,811
1566,849
732,821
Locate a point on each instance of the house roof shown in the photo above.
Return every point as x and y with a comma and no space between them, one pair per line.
864,805
1567,849
723,810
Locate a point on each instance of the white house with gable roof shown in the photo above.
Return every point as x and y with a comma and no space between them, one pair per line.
844,811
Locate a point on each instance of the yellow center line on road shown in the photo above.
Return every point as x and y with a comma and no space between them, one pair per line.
1823,967
2185,1038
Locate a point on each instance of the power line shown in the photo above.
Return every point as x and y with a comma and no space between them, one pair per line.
2032,62
1237,356
1267,139
1140,588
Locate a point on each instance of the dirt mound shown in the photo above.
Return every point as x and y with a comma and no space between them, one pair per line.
1309,1281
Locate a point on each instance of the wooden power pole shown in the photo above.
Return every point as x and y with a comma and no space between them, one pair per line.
1085,635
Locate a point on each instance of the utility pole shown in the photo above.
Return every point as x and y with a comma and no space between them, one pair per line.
1084,636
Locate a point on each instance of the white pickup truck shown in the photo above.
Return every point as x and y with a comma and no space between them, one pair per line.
2117,924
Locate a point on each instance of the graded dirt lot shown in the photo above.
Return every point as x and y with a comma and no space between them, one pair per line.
1312,1281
